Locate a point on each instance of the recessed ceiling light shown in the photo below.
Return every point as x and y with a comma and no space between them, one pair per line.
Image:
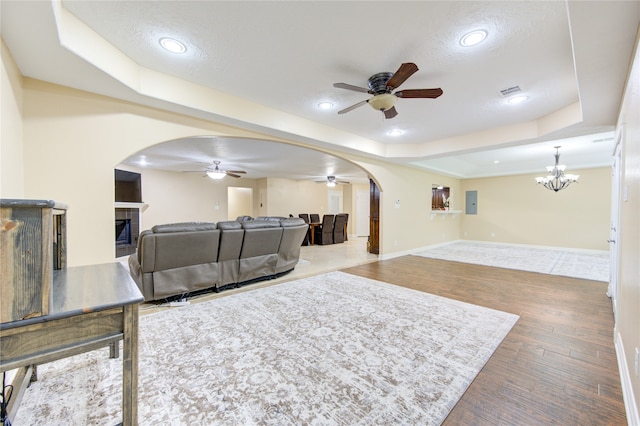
473,38
517,99
173,45
395,132
496,161
325,105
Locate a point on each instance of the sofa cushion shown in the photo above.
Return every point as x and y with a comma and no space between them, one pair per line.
229,224
183,227
257,224
291,221
173,250
270,218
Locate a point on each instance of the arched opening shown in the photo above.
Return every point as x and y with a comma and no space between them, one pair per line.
284,179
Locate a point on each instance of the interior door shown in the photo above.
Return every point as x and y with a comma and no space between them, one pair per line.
374,218
334,202
362,213
612,291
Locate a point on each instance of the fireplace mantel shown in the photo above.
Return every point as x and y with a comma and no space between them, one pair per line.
128,205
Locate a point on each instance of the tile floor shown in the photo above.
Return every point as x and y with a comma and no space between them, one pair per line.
315,260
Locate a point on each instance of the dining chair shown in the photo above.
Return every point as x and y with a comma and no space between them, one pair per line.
338,229
324,232
307,237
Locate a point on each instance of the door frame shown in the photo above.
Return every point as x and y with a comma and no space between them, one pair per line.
614,246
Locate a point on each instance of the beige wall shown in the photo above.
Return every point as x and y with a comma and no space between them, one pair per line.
184,197
514,209
409,225
73,140
11,158
288,196
628,297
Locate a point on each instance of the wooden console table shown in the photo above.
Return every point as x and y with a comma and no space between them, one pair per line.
92,307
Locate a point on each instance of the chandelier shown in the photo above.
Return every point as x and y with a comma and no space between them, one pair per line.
557,179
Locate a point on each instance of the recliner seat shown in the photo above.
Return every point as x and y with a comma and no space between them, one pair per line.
180,258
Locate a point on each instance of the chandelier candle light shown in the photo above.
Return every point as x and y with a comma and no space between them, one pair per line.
557,179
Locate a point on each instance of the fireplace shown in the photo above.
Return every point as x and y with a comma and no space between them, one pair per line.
123,232
127,229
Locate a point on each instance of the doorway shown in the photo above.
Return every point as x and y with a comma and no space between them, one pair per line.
374,218
334,202
362,213
612,291
239,202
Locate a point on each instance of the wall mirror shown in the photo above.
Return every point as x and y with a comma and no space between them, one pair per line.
439,197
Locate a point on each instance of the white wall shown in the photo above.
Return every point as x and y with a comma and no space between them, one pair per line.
628,300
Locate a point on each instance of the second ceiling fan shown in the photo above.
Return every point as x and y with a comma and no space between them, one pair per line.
382,86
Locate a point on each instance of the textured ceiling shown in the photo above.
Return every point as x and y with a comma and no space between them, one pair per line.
287,55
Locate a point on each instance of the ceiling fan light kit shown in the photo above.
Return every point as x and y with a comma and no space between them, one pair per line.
383,102
331,181
216,175
382,85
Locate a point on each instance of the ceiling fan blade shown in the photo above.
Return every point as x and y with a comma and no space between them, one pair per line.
242,172
352,107
405,71
419,93
391,112
351,87
232,174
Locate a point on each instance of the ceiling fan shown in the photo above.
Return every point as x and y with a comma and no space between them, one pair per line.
382,86
331,181
215,172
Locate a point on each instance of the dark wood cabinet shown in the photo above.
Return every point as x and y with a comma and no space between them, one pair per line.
32,245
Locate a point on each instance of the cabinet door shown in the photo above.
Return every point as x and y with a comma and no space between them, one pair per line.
25,261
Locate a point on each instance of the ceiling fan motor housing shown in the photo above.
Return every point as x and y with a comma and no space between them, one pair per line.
378,82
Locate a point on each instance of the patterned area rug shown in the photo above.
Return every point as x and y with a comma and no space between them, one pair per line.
334,349
568,263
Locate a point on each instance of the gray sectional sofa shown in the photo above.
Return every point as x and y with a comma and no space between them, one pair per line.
181,258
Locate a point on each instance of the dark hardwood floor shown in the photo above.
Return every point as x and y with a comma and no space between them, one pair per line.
557,366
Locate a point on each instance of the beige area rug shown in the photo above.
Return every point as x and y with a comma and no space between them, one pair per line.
589,265
333,349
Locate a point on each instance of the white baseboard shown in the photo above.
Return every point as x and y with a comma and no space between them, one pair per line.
633,417
415,250
536,246
432,246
